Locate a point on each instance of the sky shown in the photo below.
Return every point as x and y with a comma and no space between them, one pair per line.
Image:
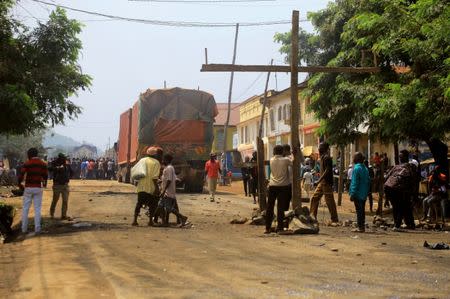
126,58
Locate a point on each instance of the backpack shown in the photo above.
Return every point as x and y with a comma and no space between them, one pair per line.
400,178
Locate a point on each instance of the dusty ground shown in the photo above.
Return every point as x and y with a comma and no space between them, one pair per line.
213,258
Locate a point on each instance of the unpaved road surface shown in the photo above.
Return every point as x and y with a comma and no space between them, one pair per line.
213,258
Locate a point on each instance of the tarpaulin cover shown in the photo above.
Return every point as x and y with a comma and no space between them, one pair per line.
180,120
123,137
134,133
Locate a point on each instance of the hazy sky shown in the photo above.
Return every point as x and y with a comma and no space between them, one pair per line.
126,58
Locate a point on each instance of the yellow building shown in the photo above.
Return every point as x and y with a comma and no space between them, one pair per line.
219,124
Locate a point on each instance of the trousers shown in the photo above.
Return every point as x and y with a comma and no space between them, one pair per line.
63,191
32,194
281,194
324,189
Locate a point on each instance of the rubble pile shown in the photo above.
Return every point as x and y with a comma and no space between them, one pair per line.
300,222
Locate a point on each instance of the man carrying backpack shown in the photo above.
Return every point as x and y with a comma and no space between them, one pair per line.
398,188
62,172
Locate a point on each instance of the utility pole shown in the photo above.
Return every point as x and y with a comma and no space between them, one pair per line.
296,200
294,69
225,127
260,152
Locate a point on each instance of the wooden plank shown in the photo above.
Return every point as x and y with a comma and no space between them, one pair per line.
225,127
285,69
260,152
295,117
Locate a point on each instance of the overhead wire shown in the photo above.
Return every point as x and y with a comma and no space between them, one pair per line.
170,23
202,1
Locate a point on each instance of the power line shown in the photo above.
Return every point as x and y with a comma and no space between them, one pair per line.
27,11
202,1
170,23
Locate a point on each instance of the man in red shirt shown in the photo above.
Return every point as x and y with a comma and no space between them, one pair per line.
212,169
35,173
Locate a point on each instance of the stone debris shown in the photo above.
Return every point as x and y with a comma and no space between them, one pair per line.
82,224
437,246
239,220
300,222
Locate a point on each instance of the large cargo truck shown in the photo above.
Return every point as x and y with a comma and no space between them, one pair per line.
178,120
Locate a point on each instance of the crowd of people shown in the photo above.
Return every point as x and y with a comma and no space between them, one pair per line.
398,185
156,185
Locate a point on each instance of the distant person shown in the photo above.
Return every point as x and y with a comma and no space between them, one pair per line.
62,173
371,178
279,188
437,184
398,189
359,189
35,174
147,187
83,169
245,171
308,183
288,154
325,184
254,176
110,169
212,169
168,202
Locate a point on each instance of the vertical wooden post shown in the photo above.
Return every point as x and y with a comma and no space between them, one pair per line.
225,127
260,152
206,55
341,174
296,200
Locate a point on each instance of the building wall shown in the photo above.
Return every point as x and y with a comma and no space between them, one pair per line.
217,145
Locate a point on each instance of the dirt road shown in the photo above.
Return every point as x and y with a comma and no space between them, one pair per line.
213,258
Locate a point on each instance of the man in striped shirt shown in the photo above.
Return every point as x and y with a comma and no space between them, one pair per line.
35,173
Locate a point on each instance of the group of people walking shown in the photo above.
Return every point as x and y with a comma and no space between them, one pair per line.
156,189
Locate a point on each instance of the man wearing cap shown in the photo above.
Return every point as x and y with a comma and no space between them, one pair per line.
62,172
147,187
212,169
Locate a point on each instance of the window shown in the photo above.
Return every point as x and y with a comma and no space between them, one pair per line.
284,112
246,134
272,120
242,134
279,113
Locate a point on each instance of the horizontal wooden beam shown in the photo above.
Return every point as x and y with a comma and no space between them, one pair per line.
285,69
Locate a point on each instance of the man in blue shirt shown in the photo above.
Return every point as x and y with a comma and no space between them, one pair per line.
359,189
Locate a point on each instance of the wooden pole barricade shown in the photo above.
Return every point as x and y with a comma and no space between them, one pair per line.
260,152
225,127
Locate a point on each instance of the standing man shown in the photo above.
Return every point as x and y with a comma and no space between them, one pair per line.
254,176
359,189
399,190
279,188
36,174
147,187
212,169
371,178
325,184
62,173
245,170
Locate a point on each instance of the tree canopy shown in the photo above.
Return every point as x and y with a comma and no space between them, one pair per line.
38,71
409,40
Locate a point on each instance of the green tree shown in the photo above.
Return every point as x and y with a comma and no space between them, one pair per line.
38,71
409,98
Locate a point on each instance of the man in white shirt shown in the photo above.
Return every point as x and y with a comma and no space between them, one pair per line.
168,202
279,188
